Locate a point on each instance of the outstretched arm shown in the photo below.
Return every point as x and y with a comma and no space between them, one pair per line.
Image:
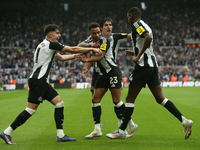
83,44
93,59
64,57
77,49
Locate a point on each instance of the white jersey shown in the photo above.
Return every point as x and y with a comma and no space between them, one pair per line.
43,59
148,58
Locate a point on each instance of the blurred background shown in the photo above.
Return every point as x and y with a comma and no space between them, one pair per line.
175,25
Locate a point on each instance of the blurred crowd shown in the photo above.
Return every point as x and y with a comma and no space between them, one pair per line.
21,31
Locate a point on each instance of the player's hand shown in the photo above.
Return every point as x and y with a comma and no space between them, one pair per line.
97,51
136,60
95,45
129,53
80,58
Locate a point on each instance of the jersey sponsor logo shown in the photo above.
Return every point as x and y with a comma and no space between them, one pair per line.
103,46
140,30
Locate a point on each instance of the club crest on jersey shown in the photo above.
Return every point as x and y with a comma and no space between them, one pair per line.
140,30
40,99
103,46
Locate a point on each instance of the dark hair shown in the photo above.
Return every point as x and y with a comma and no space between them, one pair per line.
104,20
135,10
93,25
50,27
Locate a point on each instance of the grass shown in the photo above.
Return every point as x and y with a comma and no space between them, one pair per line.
158,129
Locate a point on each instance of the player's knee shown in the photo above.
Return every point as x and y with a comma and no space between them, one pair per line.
30,111
95,100
59,105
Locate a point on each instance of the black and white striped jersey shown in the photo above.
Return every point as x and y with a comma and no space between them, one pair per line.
110,59
148,58
102,66
43,58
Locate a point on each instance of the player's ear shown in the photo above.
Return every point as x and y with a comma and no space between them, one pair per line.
49,34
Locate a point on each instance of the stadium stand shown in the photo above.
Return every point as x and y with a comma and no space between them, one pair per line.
176,36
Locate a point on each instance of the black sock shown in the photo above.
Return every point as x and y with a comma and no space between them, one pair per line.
119,111
21,119
59,117
128,111
172,108
96,114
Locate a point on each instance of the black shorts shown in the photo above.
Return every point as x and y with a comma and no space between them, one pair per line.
40,90
112,80
144,75
94,78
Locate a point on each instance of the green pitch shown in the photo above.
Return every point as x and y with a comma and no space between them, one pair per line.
158,129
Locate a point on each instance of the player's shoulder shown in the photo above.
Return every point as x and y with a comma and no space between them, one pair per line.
104,39
88,39
139,23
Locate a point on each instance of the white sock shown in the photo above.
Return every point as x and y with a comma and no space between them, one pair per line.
97,127
164,102
119,104
60,133
131,123
183,120
8,130
119,122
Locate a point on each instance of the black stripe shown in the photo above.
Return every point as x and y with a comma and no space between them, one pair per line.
36,73
146,60
37,54
101,68
154,61
136,51
49,66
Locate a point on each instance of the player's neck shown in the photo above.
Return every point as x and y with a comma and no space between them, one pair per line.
106,35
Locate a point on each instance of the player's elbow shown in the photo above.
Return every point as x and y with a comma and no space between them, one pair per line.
149,38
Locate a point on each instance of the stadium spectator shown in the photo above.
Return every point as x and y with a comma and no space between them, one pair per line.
20,32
